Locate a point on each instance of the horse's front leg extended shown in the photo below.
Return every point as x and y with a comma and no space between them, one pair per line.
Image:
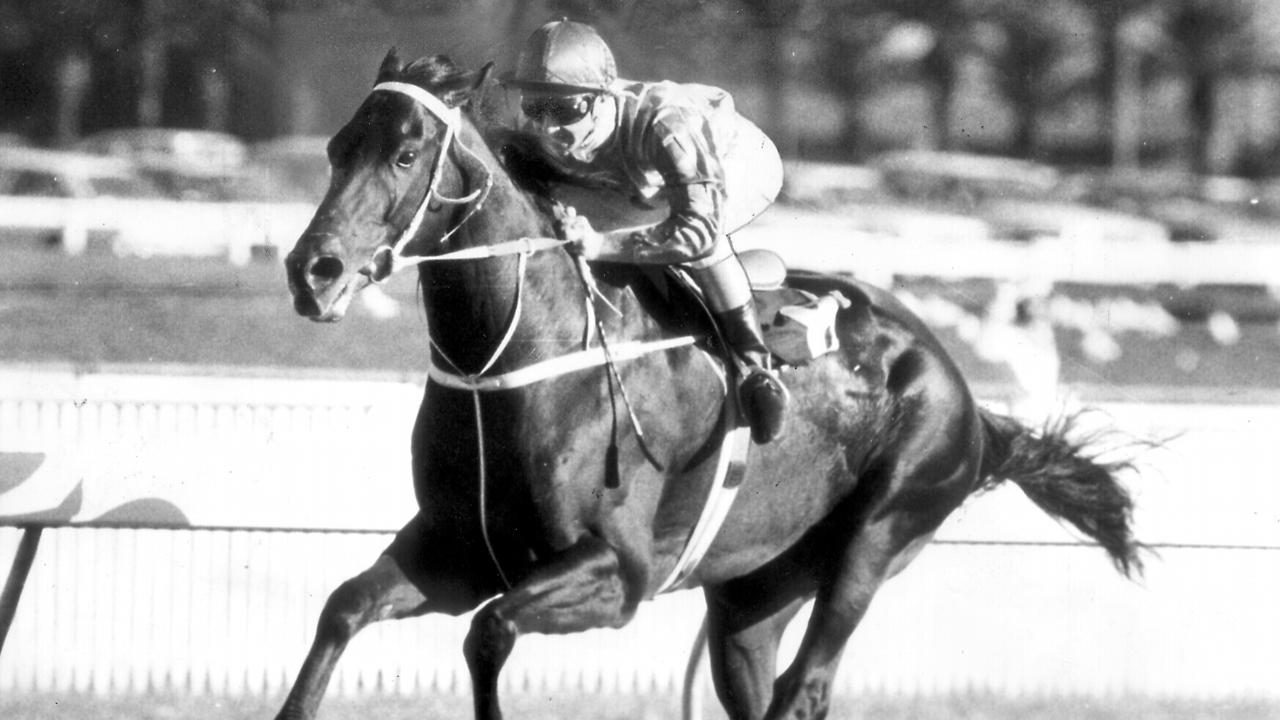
382,592
580,589
408,579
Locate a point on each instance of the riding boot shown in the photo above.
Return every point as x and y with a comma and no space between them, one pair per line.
761,394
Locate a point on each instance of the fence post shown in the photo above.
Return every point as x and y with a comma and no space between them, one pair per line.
22,560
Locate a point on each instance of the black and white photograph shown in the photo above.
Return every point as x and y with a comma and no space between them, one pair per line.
640,359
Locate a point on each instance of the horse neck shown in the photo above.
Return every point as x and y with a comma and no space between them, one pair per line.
470,304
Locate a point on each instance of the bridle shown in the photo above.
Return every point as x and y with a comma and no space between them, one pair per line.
378,269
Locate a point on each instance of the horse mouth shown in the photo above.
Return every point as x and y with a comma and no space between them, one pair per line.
317,309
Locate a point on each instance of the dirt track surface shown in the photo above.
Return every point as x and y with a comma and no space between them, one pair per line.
632,707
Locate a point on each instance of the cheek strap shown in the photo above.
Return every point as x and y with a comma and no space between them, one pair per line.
388,259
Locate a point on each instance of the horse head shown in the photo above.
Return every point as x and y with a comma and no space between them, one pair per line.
399,177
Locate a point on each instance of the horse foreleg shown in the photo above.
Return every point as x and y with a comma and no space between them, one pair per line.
743,643
382,592
579,589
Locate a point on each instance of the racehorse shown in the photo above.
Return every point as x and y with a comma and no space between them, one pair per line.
542,509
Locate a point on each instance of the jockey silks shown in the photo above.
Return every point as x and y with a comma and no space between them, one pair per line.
683,146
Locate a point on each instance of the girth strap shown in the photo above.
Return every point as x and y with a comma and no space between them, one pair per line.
731,466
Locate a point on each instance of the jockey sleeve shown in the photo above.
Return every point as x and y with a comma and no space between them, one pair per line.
678,144
669,150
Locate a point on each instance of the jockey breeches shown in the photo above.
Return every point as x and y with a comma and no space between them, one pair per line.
753,178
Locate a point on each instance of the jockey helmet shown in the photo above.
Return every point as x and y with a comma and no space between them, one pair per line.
565,57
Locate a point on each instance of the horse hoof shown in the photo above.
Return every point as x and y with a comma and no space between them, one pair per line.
764,402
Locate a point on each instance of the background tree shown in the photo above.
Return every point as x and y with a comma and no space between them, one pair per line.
953,30
1120,38
195,55
119,63
774,25
1207,42
850,63
65,44
1038,61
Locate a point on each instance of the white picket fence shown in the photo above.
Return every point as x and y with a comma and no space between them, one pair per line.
299,479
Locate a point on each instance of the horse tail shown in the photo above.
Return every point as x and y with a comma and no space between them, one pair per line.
1063,478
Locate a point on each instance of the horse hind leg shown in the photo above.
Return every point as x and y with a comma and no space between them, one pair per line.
580,589
920,492
803,692
743,639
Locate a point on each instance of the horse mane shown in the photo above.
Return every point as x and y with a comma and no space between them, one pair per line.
525,162
438,74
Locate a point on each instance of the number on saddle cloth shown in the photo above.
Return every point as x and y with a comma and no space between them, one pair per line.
798,325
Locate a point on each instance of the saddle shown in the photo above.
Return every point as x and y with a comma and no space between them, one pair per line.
798,326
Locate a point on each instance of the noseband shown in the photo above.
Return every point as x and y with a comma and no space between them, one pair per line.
379,269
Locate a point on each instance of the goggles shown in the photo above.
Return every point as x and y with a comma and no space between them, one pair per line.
558,110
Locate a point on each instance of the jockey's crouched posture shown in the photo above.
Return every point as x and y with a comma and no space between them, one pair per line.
675,142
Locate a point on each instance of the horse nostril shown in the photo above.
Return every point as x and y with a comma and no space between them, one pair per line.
325,268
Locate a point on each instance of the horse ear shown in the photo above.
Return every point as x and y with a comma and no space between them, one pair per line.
482,76
476,95
391,65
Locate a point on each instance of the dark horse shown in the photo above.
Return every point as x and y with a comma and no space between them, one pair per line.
535,502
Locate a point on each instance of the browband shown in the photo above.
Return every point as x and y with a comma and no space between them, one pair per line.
450,116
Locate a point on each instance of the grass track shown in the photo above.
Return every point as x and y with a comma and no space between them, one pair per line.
94,310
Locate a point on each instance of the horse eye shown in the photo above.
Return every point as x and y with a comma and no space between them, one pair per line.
406,158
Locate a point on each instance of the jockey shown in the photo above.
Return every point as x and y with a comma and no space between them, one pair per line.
664,144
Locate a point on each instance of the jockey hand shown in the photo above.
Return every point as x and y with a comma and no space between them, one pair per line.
583,239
